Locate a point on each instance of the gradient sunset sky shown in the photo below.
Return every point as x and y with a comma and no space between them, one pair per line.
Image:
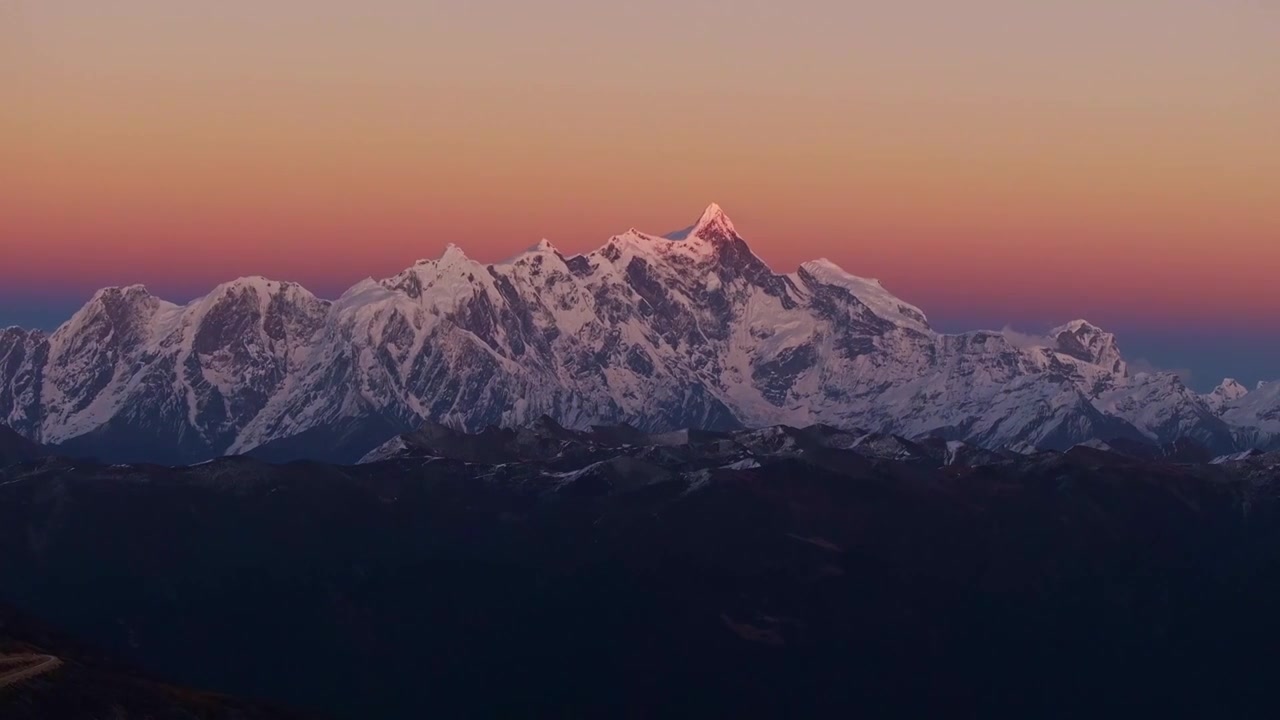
995,162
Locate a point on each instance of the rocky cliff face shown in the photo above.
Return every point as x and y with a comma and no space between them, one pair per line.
686,330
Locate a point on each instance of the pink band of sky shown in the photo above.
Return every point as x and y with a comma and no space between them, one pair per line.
1024,161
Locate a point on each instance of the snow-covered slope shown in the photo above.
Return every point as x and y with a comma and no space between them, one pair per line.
1255,416
23,357
691,329
1164,409
132,376
1226,393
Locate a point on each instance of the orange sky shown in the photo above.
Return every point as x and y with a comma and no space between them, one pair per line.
990,159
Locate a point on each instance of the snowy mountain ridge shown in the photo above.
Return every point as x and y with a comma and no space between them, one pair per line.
691,329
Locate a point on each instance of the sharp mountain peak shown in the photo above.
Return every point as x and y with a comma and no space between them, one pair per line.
690,331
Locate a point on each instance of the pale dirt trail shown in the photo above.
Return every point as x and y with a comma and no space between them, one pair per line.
27,667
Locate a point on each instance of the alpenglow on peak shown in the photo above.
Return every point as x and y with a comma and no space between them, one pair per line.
711,224
714,223
696,331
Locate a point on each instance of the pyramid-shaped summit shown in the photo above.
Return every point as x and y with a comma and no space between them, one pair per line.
666,336
712,224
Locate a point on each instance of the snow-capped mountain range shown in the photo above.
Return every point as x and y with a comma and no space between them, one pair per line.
689,329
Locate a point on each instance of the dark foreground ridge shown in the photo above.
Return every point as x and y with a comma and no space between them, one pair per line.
79,682
778,572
